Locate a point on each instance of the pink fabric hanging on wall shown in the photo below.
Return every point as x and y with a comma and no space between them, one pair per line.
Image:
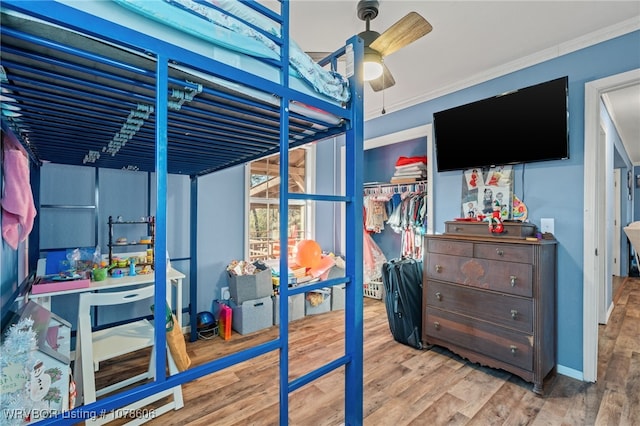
18,209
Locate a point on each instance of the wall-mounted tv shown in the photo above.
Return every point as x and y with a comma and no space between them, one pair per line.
521,126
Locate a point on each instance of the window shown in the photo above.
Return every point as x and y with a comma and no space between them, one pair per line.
264,198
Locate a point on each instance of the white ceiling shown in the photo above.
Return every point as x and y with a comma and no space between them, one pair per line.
473,41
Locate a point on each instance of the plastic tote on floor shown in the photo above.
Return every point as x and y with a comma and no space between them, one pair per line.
296,307
252,315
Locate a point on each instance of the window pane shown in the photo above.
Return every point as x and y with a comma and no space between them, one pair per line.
264,212
264,238
297,171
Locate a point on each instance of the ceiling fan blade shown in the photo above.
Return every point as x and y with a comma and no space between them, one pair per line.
404,32
385,81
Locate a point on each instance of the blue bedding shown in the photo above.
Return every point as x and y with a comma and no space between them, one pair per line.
222,28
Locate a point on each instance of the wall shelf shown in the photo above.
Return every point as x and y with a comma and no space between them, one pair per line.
150,224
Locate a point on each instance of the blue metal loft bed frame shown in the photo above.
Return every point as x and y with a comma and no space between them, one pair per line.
163,158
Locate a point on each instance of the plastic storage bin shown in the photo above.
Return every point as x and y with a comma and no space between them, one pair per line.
337,297
252,315
296,308
311,308
250,287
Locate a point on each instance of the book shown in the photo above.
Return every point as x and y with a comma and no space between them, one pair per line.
405,179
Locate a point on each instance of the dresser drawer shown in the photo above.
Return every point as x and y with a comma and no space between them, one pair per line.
459,248
511,229
507,277
509,311
499,343
507,252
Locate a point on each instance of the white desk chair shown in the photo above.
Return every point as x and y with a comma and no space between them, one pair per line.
94,347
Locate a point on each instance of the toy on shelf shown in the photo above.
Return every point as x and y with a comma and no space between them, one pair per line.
495,222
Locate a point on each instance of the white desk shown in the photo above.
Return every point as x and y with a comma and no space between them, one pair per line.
174,277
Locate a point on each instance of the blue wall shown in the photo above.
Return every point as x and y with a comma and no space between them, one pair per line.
221,236
327,155
549,189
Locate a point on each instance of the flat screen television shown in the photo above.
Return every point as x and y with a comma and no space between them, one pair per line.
521,126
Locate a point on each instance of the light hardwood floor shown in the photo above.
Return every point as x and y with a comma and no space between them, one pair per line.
406,386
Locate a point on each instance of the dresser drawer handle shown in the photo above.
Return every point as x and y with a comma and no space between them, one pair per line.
513,279
513,349
436,325
500,252
514,314
438,295
438,268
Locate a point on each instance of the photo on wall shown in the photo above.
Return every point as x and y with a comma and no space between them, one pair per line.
486,190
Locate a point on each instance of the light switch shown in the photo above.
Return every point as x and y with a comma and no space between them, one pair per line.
547,225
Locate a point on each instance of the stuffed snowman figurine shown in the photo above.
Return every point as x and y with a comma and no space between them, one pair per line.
39,383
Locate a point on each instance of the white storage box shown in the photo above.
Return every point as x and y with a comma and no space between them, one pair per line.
296,308
317,301
337,297
250,287
252,315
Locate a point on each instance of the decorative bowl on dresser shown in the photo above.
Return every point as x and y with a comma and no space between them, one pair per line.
492,300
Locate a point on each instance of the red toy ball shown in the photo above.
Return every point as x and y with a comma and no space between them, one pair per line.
308,253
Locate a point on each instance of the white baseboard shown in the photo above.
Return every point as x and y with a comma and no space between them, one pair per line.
570,372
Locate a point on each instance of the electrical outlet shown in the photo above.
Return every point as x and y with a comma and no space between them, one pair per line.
547,225
224,293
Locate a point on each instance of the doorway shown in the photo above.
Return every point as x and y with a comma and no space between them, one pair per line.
596,255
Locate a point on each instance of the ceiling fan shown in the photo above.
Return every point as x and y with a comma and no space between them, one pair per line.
377,46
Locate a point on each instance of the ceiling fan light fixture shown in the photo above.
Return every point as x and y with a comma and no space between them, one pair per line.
372,65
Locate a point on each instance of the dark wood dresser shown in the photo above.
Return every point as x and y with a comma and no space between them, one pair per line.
491,299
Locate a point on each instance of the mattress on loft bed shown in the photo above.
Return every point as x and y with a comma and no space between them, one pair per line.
238,44
45,30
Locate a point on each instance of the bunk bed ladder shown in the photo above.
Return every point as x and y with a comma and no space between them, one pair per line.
353,358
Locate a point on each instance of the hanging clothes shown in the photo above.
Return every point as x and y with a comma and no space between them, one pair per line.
375,212
373,259
18,208
403,208
409,219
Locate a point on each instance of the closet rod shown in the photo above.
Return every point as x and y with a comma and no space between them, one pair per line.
393,188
